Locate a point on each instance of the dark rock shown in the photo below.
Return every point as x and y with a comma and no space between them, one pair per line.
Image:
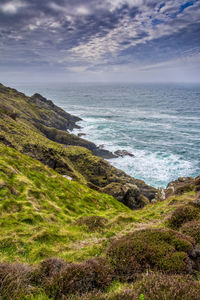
81,134
57,117
66,138
129,194
103,153
101,146
180,186
123,153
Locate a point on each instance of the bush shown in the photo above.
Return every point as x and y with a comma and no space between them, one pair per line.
47,269
183,215
155,286
192,229
79,278
155,249
93,223
14,281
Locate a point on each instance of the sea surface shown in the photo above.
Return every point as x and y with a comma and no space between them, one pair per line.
158,123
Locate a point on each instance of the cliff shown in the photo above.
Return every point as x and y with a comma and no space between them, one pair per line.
36,127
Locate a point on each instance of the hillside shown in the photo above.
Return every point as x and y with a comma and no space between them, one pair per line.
66,239
22,127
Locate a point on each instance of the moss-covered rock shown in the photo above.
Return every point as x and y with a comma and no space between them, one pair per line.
129,194
155,249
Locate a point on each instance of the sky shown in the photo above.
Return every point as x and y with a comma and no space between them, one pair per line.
100,40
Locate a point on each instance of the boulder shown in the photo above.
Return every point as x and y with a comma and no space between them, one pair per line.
129,194
123,153
81,134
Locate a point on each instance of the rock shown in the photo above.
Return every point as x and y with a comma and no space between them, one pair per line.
129,194
68,177
103,153
180,186
53,115
160,195
81,134
122,153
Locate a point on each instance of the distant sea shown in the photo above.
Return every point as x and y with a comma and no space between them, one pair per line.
158,123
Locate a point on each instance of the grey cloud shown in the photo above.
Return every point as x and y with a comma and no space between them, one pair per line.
96,33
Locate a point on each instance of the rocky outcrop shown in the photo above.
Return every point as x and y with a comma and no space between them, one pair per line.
103,177
58,118
129,194
66,138
182,185
123,153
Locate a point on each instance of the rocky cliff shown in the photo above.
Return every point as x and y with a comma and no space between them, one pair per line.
38,128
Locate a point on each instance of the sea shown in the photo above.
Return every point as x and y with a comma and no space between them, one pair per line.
158,123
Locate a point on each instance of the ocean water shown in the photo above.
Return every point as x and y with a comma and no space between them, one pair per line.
158,123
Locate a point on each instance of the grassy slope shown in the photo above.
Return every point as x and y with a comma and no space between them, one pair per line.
39,209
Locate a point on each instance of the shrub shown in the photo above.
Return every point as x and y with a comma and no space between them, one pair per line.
155,249
156,286
79,278
14,281
164,287
192,229
93,223
48,268
183,215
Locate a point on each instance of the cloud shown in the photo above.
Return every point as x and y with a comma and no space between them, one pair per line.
12,7
91,36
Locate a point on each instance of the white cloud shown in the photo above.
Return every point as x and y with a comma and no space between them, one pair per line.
67,9
117,3
12,7
98,48
82,10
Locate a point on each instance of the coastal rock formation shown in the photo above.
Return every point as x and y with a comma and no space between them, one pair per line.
53,116
128,193
39,130
123,153
182,185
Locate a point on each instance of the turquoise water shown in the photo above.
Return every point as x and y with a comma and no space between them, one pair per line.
159,124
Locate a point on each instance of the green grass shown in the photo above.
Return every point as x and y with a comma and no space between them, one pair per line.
39,209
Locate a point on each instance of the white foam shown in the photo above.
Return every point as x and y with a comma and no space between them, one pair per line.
156,169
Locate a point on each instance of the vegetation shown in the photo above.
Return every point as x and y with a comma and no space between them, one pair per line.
192,229
60,239
155,249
